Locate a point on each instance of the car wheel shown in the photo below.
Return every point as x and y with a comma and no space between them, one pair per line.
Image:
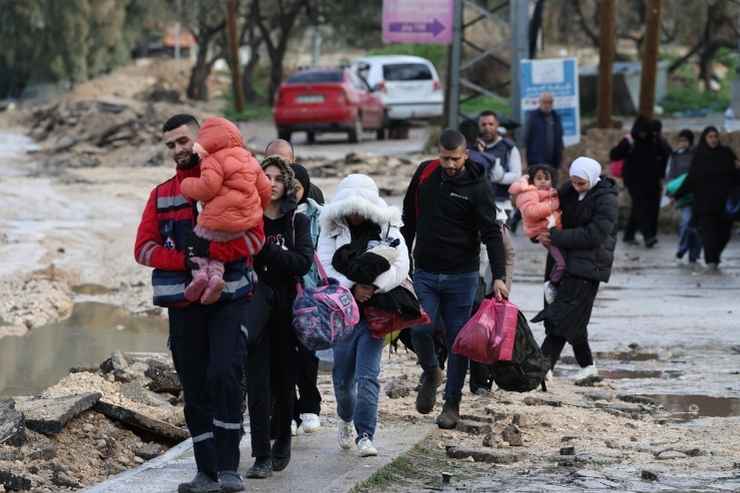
355,134
311,137
380,134
284,134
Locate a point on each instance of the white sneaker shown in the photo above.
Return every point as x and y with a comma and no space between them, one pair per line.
345,434
293,428
548,376
588,372
551,291
366,447
310,422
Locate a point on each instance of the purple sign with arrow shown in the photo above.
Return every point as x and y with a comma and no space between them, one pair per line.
418,21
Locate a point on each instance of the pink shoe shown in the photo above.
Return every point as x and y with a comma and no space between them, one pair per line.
196,287
213,291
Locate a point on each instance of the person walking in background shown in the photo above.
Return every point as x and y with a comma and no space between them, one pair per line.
507,162
588,239
543,135
272,363
689,240
449,209
645,161
712,177
359,224
208,343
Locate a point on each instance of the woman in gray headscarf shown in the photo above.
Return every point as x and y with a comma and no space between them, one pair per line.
588,237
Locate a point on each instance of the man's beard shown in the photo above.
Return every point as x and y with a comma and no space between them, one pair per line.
191,162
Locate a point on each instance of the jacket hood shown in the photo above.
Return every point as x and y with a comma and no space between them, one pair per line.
358,194
219,133
522,185
288,202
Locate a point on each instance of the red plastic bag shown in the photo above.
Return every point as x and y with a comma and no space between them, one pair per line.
383,322
488,336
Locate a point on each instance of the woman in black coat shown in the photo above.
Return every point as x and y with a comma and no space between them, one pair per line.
587,239
272,360
645,156
712,177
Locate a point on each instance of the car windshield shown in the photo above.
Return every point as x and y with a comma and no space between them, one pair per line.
407,71
315,77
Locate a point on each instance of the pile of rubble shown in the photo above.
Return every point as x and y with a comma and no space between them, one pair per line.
95,423
102,132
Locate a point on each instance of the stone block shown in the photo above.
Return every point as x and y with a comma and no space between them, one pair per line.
50,415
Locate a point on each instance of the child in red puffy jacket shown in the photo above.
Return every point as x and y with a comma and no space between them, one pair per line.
233,191
537,200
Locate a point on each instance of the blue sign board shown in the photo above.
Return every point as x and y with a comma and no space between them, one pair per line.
559,77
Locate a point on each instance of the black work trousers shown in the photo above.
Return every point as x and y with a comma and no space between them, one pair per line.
553,345
208,348
715,231
309,397
272,366
643,213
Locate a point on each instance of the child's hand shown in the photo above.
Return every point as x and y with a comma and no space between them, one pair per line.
553,193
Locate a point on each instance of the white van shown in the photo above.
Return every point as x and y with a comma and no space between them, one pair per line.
408,86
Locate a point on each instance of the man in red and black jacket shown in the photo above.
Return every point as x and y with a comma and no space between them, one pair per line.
208,342
449,209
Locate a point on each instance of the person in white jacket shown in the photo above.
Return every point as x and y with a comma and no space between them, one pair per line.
357,211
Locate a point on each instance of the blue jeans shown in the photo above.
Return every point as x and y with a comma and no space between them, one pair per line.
355,376
688,236
449,297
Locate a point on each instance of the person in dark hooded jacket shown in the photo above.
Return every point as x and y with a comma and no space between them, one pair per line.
272,365
712,177
588,239
645,158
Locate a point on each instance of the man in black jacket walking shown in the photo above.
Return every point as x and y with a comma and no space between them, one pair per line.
449,209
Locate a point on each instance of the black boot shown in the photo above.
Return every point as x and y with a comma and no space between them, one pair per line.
281,454
450,415
261,469
427,396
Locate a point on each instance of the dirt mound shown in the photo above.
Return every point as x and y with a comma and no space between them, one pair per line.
89,133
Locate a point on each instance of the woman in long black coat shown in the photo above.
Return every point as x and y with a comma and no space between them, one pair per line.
712,177
587,239
645,156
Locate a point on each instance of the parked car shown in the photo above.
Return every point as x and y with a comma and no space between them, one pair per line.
327,100
408,86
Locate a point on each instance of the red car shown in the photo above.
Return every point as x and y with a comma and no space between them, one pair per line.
327,100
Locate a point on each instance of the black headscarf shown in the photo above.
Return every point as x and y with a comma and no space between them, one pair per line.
301,174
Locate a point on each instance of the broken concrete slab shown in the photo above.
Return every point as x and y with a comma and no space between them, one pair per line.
537,401
163,431
135,392
164,378
473,427
14,482
12,425
481,455
49,415
149,451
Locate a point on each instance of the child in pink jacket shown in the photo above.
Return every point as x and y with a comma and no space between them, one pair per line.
537,200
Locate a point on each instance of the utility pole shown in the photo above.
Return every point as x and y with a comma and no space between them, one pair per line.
607,40
519,12
453,107
736,83
650,58
236,80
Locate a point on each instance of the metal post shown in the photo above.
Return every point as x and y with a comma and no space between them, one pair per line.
519,12
454,93
650,59
736,83
607,39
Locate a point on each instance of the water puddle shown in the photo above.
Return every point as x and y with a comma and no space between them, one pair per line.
697,406
41,358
